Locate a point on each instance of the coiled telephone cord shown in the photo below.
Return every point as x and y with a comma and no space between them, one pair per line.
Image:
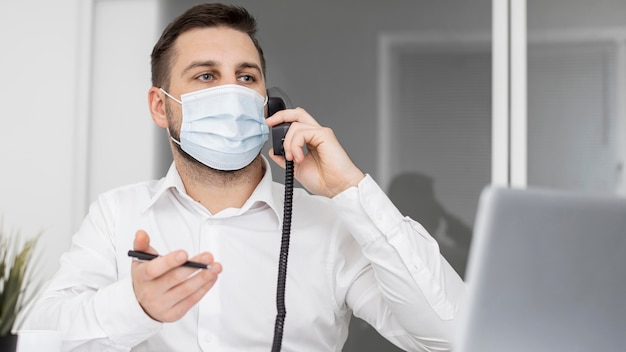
282,259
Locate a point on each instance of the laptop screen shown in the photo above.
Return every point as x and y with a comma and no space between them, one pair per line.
546,272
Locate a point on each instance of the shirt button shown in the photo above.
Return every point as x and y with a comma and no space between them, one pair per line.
208,338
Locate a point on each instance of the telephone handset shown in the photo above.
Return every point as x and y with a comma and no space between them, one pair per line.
277,100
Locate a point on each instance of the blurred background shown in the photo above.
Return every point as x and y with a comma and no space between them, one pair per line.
405,84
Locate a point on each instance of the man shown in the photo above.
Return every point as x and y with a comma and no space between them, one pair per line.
351,250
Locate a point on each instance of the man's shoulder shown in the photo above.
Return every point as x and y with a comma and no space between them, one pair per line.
139,192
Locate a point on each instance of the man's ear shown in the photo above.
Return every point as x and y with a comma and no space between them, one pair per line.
156,103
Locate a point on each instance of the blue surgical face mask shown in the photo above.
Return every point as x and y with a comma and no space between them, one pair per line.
222,127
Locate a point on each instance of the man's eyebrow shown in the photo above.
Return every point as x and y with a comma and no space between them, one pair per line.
250,65
196,64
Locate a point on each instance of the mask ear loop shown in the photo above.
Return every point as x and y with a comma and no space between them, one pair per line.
172,137
167,128
170,96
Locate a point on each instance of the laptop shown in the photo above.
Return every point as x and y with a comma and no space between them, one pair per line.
546,272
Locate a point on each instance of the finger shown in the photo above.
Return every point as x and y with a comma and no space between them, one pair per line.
189,293
194,282
207,258
181,274
190,289
160,265
163,264
204,258
157,293
291,115
216,267
142,241
288,142
303,135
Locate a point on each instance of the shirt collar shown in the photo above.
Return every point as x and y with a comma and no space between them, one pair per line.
265,194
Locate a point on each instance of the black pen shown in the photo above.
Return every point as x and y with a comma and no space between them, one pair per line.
148,256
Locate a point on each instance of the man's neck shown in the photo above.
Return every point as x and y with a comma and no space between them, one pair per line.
217,190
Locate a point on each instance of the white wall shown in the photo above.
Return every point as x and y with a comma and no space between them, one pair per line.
75,120
122,139
37,95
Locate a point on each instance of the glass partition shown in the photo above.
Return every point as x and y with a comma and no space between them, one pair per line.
575,95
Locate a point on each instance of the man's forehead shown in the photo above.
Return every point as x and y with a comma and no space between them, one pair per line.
220,45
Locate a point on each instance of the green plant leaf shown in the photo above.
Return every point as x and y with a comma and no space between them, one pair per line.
14,271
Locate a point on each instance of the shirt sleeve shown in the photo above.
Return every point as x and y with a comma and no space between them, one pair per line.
87,301
409,292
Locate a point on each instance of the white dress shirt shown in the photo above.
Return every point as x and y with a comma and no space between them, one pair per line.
354,253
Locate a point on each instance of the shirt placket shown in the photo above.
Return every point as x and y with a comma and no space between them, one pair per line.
210,305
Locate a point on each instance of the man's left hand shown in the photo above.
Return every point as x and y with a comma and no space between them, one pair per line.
326,169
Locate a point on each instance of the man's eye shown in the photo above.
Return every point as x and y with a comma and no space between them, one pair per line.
205,77
247,78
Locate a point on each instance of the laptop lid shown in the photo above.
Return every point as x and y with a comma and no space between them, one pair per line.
546,272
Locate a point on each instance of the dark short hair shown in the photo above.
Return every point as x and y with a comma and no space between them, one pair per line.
199,16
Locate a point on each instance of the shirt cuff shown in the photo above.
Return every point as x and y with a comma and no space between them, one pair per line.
368,204
121,316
